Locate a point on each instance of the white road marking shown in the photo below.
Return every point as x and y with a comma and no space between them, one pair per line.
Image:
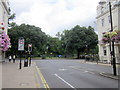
85,71
62,69
71,66
65,81
91,72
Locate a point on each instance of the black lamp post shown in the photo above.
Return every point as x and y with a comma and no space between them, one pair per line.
113,50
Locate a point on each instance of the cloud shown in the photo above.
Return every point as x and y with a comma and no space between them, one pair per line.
56,15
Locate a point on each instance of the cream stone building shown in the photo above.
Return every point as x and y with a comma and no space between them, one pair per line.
4,15
104,25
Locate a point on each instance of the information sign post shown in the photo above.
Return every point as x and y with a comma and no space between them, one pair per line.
20,48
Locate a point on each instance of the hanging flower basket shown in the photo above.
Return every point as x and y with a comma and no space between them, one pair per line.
111,36
4,41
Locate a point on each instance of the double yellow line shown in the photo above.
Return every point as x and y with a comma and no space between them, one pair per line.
43,79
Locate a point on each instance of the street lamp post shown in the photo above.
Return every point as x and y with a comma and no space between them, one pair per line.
113,50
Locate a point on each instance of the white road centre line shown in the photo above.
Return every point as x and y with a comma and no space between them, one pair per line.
62,69
85,71
65,81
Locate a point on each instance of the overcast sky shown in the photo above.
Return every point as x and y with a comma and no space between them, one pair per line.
55,15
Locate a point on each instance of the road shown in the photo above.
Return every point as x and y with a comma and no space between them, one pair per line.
74,74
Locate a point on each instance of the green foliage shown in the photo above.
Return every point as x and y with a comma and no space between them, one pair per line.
11,25
54,46
31,34
69,42
12,16
79,39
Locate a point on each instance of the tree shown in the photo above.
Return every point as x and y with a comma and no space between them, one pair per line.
54,45
79,39
31,34
58,35
12,16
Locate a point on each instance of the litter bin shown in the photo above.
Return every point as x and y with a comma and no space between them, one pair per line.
25,63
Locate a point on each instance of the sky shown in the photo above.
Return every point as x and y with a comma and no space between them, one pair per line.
54,16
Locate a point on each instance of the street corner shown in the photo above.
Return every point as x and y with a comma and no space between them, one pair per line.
110,76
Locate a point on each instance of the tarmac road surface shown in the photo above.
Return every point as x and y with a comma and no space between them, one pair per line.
74,74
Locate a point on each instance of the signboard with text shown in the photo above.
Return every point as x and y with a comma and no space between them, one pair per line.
21,44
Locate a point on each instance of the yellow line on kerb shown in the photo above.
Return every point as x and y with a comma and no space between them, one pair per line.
37,84
35,75
43,79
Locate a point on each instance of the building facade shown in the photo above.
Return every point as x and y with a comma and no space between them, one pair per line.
104,25
4,15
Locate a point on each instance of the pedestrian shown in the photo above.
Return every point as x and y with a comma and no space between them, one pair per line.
13,58
10,58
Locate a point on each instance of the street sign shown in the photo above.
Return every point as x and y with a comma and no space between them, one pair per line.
21,44
29,47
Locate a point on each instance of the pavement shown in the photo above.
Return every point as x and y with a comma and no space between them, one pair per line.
108,75
117,77
13,77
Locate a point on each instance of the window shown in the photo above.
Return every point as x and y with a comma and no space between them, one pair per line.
104,51
103,22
